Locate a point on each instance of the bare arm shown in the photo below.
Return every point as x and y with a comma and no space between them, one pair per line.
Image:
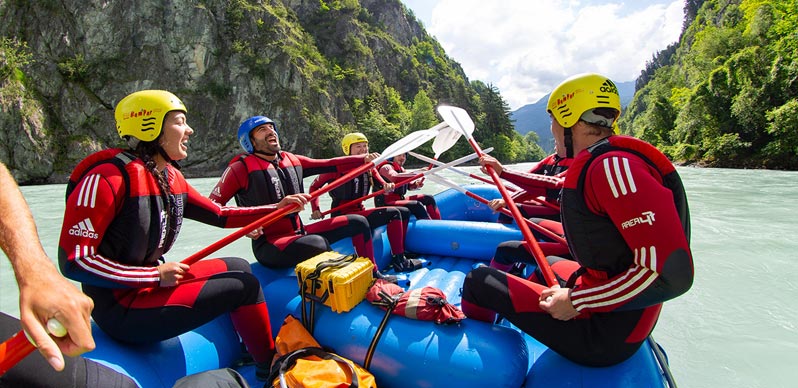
43,292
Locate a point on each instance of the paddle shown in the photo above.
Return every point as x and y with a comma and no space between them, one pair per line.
404,182
19,346
444,140
447,182
537,201
459,119
405,144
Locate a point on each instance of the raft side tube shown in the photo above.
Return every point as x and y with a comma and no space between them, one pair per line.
160,364
466,239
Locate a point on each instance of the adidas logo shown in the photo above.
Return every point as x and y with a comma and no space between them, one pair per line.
608,87
84,229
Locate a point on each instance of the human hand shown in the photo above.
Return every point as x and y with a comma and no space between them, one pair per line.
487,160
255,233
316,215
389,186
371,157
496,204
557,302
45,295
172,273
300,200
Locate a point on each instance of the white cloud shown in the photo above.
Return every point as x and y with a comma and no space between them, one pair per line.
526,48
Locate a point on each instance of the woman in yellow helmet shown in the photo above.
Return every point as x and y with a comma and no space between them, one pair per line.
395,217
124,211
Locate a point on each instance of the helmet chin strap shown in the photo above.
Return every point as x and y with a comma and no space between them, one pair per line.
166,157
569,143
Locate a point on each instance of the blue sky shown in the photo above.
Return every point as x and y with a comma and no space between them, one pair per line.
526,47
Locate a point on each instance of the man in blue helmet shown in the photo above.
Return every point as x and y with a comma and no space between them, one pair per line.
266,174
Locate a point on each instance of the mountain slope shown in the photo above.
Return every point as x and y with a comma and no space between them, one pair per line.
319,69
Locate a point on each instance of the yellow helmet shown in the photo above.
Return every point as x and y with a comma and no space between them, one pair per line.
141,114
580,94
352,138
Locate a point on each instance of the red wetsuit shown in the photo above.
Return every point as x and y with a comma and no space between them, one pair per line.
395,217
117,227
626,218
253,180
421,205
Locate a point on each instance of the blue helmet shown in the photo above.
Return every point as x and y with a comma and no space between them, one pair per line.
247,126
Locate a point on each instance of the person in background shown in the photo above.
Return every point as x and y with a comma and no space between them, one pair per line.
528,201
421,205
544,179
266,174
395,217
123,213
45,294
625,213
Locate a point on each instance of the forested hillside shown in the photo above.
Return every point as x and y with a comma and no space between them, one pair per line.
319,68
727,94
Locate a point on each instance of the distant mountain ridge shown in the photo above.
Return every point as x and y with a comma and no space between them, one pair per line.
533,117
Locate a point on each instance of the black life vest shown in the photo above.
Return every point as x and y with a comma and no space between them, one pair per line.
594,240
131,237
268,182
354,189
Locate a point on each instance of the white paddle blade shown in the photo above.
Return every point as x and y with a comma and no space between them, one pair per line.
445,140
457,118
408,143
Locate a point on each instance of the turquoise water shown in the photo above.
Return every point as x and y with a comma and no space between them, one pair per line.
737,327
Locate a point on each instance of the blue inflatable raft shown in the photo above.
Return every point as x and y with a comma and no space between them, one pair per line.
410,353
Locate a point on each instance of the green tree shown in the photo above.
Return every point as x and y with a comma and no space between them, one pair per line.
422,112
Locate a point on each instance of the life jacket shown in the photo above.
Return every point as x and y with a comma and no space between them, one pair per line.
550,166
129,238
594,240
268,182
398,191
354,189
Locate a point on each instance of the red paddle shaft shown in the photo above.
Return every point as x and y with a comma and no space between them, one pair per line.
548,233
536,201
273,216
372,195
531,243
13,350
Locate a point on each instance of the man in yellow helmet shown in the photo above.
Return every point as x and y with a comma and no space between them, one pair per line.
625,214
346,196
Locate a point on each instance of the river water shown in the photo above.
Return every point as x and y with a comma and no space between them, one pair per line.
737,326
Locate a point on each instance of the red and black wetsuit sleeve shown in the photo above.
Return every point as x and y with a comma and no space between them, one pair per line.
631,194
90,209
318,183
377,177
392,173
204,210
534,184
341,164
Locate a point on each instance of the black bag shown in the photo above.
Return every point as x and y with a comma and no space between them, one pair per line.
216,378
